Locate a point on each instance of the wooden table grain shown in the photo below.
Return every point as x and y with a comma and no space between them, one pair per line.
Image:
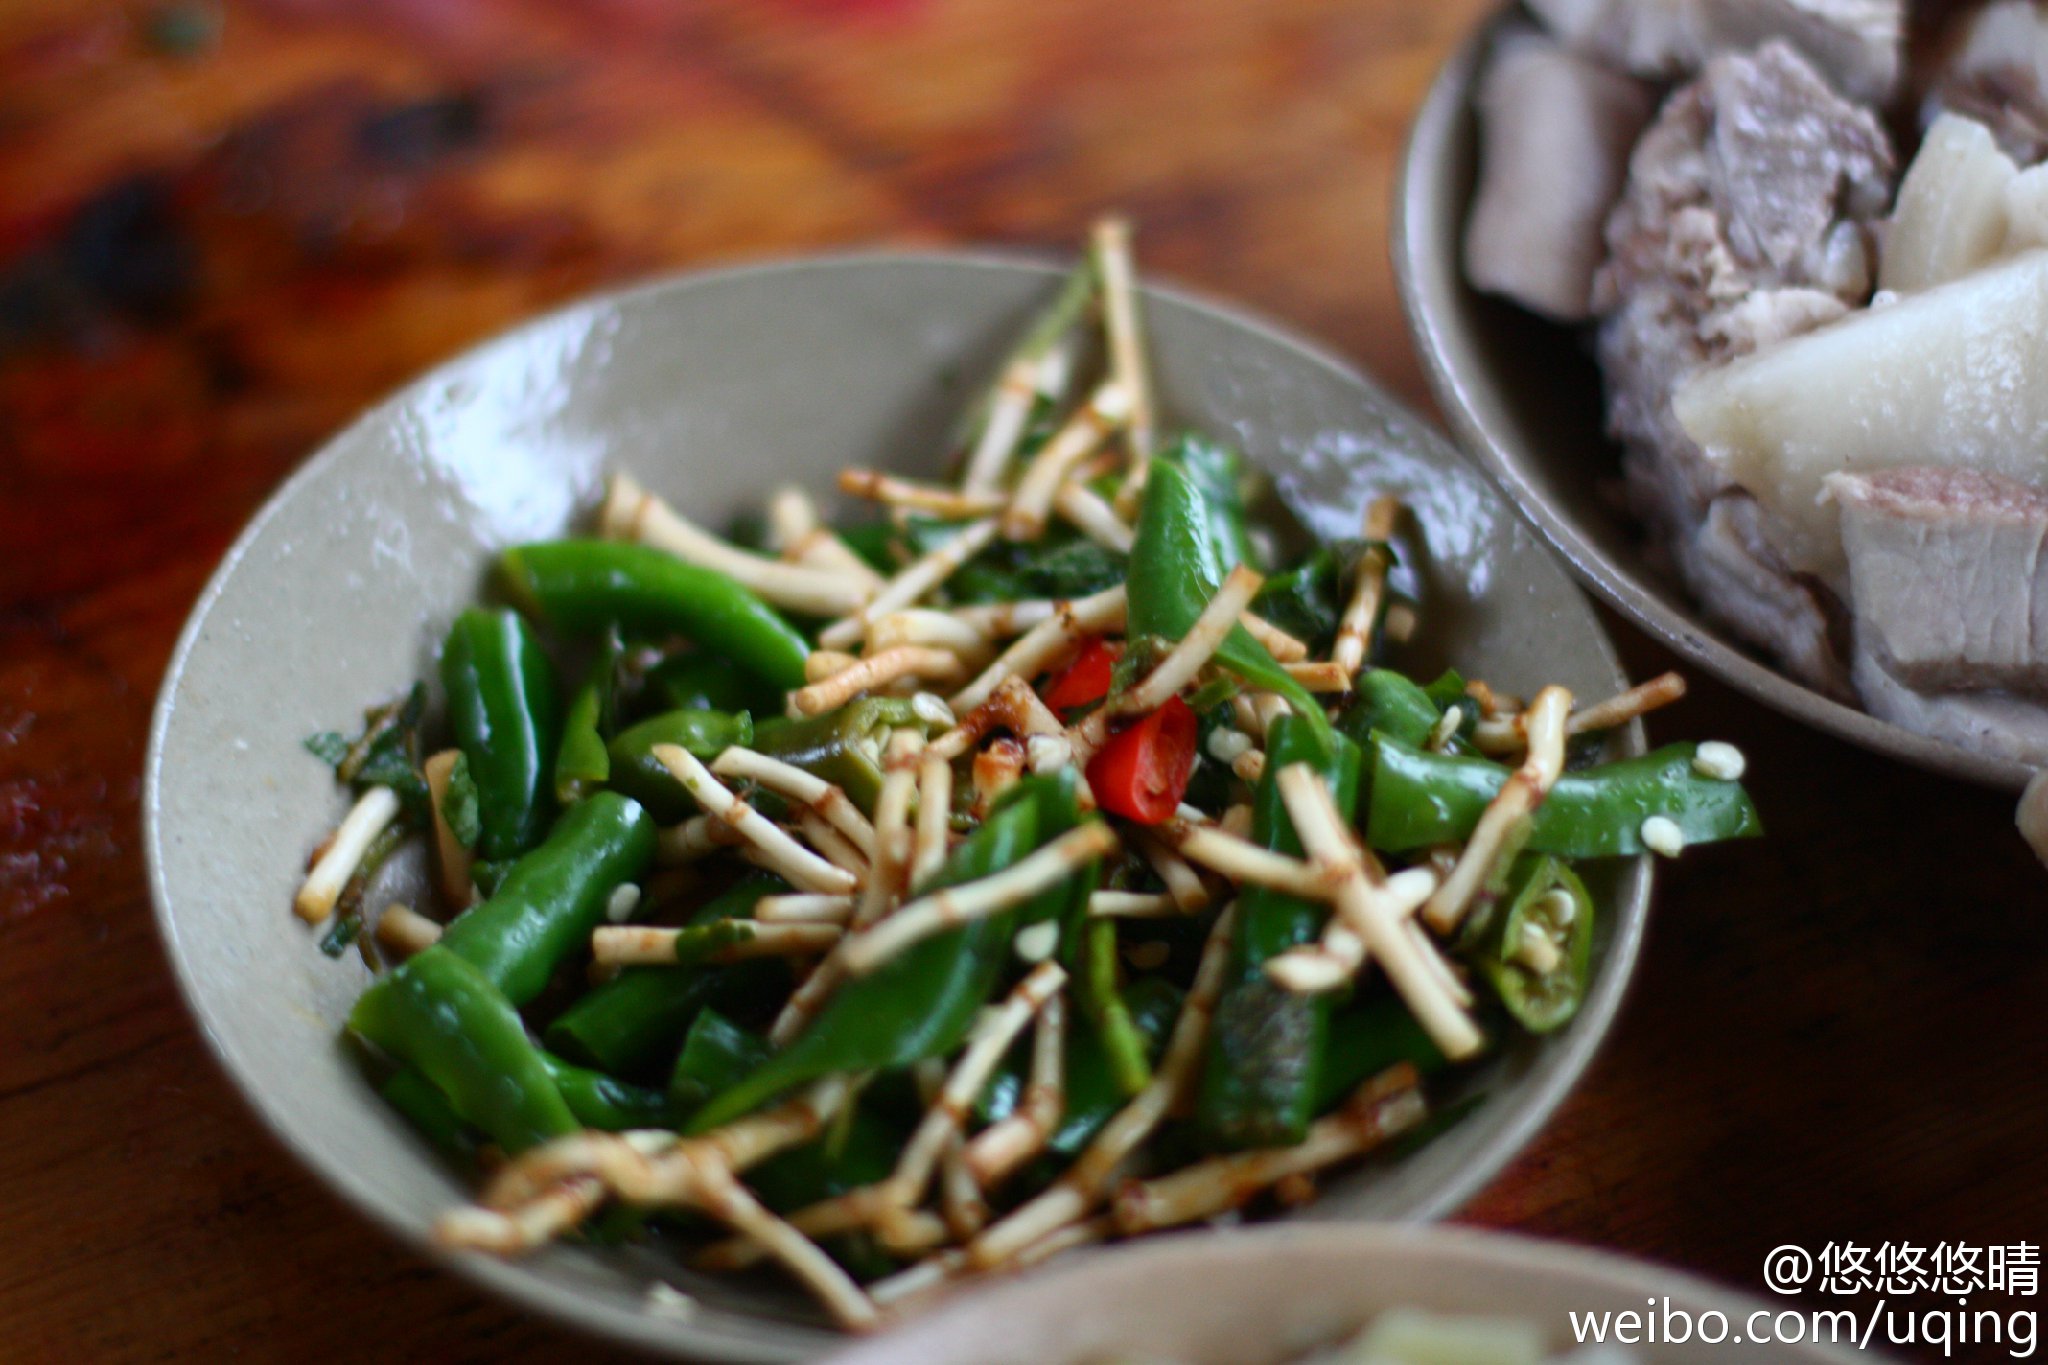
226,228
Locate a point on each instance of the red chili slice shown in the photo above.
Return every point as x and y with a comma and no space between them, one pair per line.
1086,679
1142,771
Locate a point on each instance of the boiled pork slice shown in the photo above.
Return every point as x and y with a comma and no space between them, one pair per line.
1557,129
1996,724
1857,43
1746,220
1948,576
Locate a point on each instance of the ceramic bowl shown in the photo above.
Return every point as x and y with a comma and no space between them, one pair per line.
713,389
1265,1296
1523,396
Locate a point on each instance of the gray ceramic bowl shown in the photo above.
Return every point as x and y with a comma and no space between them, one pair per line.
712,389
1263,1296
1523,396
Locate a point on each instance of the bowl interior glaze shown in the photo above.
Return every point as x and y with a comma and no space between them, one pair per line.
713,389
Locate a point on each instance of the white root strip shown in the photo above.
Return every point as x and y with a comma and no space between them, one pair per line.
1184,886
929,626
1385,1107
983,1053
798,536
697,837
451,859
799,865
992,895
923,662
1355,626
1121,321
535,1223
634,945
1009,413
720,1195
1075,441
1133,905
1322,676
786,779
1047,643
323,886
939,501
630,512
803,908
1015,707
1083,1185
1368,908
1283,647
934,817
1172,674
834,847
406,931
1543,730
963,1208
1244,861
1006,620
1002,1148
1090,514
1624,707
910,586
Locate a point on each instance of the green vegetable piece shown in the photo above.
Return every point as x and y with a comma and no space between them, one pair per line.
630,1025
424,1106
547,904
1365,1040
1419,799
717,1055
1537,953
584,586
703,682
921,1002
1097,992
606,1102
1094,1093
460,806
844,747
637,773
1268,1046
1389,703
440,1014
582,762
1217,474
502,707
1177,563
386,754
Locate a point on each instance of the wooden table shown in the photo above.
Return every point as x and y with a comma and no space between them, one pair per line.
221,234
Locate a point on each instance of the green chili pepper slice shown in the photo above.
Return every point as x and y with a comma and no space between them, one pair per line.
629,1025
1368,1037
584,586
582,763
1388,703
547,904
637,773
445,1018
1177,563
503,710
921,1002
1419,799
717,1055
1537,954
606,1102
701,682
844,747
1268,1046
424,1106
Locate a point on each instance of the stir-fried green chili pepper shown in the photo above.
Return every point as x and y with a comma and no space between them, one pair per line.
1420,798
921,1002
502,708
630,1024
1218,475
1268,1045
428,1111
444,1017
1536,947
702,682
1368,1037
1093,1092
1177,562
637,773
584,586
1094,977
717,1055
1388,703
844,746
606,1102
546,906
582,762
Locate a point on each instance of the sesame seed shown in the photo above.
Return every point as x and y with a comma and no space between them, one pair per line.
623,903
1035,942
1719,760
1661,835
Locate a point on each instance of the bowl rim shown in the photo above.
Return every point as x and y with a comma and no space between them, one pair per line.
1471,1248
519,1283
1426,252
